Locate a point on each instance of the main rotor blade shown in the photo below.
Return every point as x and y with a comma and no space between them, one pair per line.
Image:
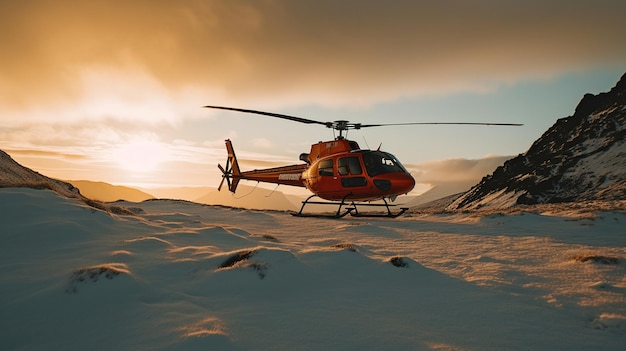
448,123
271,114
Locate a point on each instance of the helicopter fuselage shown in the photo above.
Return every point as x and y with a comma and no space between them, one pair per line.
356,174
336,170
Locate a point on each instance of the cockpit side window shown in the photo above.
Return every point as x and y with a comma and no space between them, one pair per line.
378,162
326,168
349,166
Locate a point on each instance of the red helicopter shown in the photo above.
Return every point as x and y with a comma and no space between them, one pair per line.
338,171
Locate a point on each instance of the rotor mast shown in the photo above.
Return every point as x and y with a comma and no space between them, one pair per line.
342,126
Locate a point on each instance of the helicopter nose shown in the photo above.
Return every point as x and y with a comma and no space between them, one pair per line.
395,183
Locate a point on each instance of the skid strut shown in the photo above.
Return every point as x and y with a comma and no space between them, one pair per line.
348,208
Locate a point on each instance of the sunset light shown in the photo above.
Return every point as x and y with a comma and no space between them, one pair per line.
140,156
312,175
78,79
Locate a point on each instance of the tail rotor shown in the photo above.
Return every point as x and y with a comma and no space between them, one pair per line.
230,173
227,174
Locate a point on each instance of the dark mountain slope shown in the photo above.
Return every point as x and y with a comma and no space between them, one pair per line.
580,158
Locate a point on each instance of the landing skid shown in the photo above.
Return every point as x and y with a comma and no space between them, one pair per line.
348,208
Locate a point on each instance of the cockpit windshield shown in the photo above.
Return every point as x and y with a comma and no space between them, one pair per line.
379,162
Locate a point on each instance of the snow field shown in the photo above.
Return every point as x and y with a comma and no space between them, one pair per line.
181,275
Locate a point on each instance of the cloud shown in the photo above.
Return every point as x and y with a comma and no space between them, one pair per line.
457,170
145,59
46,154
262,143
79,77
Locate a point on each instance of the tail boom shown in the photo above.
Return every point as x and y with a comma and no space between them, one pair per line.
287,175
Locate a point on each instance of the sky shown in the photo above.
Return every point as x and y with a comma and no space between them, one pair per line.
113,90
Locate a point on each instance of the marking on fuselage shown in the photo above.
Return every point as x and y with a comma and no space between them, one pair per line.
288,176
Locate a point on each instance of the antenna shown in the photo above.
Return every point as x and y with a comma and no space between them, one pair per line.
365,140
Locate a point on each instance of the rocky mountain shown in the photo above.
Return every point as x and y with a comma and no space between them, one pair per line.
580,158
13,174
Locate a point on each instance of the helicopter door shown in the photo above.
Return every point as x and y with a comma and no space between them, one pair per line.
327,181
350,171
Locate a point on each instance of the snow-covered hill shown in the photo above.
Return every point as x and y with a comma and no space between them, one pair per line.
580,158
184,276
13,174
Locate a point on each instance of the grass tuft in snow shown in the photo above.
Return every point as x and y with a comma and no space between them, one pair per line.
596,259
120,210
94,273
99,205
114,209
398,262
346,246
238,257
237,260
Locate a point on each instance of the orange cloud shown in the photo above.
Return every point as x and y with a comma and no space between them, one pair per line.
293,52
79,77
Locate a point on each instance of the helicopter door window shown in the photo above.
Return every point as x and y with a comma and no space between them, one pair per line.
326,168
349,166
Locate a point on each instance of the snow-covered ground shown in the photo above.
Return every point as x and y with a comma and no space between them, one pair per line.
183,276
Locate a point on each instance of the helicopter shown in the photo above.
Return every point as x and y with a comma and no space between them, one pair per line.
337,171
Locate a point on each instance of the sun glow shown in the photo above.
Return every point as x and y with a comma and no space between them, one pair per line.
140,156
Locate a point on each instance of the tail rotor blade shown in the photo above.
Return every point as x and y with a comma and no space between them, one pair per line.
219,188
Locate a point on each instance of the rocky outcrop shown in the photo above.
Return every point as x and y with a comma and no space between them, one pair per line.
580,158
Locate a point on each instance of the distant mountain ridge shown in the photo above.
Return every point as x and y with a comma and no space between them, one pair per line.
248,197
106,192
579,158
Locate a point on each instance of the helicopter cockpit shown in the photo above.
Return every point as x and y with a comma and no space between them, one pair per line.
380,162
